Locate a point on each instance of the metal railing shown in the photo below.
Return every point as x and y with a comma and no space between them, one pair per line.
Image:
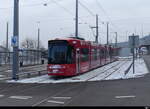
6,58
26,57
29,74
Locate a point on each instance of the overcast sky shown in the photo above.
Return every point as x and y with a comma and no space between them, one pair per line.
57,20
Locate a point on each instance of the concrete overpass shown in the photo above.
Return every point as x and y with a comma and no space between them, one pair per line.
145,42
125,49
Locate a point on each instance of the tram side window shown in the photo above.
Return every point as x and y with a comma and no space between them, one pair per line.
110,52
84,54
102,53
106,53
95,54
98,53
70,55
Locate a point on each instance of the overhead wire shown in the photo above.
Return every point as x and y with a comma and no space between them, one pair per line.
58,4
88,10
69,12
28,5
101,8
65,9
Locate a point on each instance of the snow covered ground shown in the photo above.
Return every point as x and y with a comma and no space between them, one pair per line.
112,71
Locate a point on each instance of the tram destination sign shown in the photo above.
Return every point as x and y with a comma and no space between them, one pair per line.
134,41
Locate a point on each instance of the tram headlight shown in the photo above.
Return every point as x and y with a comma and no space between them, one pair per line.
74,42
56,67
55,71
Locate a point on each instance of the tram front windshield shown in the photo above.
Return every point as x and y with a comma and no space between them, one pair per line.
59,52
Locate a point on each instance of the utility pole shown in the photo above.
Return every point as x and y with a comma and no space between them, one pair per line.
76,21
16,35
7,37
97,29
142,31
116,39
38,47
6,43
127,36
133,55
107,33
38,39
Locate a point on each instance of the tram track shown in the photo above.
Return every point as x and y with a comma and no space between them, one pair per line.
115,70
105,70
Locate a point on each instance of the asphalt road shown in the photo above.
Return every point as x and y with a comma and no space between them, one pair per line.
131,92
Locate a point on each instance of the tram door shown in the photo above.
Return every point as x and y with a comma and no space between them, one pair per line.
78,61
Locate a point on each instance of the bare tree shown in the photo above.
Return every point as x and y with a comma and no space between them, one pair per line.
30,43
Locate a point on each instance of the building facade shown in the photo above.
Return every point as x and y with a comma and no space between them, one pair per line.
2,49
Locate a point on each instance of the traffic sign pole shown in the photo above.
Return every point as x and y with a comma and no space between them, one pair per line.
133,43
16,34
133,55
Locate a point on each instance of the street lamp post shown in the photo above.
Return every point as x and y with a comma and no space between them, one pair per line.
107,33
116,43
6,43
7,37
38,46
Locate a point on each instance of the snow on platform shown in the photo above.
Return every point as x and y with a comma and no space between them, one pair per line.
140,71
112,71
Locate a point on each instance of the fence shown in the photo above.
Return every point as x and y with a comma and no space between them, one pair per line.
6,58
26,57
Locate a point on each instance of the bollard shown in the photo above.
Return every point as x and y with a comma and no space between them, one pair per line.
17,77
0,60
42,61
28,75
21,64
39,73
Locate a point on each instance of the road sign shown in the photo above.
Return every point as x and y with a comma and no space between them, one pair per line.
134,41
14,41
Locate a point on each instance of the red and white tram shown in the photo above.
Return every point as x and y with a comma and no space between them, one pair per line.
72,56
